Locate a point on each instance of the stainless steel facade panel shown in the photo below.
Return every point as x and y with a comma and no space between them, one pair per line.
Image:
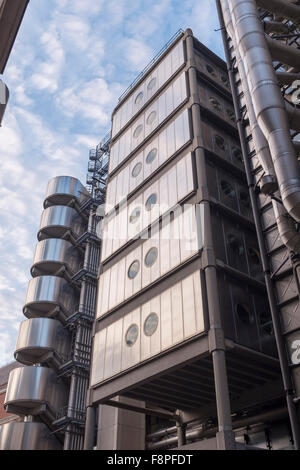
213,71
179,311
37,336
121,185
148,121
212,100
45,293
30,386
27,436
170,189
52,254
63,189
175,243
56,221
158,77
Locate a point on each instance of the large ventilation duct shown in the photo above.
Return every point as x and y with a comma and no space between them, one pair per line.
286,54
286,227
281,8
268,182
267,100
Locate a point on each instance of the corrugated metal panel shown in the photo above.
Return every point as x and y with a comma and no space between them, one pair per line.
176,242
180,316
154,115
169,189
160,74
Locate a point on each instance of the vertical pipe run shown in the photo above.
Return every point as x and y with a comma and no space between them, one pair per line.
90,428
288,387
225,435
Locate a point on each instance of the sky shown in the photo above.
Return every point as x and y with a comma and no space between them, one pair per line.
71,61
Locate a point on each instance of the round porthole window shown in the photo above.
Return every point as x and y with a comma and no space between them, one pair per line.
151,118
244,314
151,324
227,189
225,80
215,103
132,335
151,156
133,269
151,201
136,169
139,98
137,131
135,214
230,114
151,257
220,142
151,84
210,70
237,154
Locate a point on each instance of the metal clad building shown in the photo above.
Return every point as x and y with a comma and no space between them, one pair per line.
183,324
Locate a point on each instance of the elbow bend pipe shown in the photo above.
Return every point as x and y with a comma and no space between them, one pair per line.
267,100
287,78
275,27
281,8
293,113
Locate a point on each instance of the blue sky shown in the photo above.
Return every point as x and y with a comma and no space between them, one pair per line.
71,61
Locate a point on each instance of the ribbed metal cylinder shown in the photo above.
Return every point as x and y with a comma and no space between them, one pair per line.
29,387
48,293
39,336
53,254
62,190
27,436
58,221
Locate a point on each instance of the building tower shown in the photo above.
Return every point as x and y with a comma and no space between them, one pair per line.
261,40
54,343
183,333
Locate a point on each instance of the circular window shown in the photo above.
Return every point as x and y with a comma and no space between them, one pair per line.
135,214
151,201
244,198
151,257
244,314
254,256
136,169
230,114
237,154
225,80
132,335
137,131
227,189
210,70
151,118
150,324
220,142
215,103
139,98
151,84
235,244
151,156
133,269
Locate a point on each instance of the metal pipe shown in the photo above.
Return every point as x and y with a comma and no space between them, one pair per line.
281,8
267,416
275,27
286,54
267,100
286,227
296,144
287,78
268,181
293,113
286,377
